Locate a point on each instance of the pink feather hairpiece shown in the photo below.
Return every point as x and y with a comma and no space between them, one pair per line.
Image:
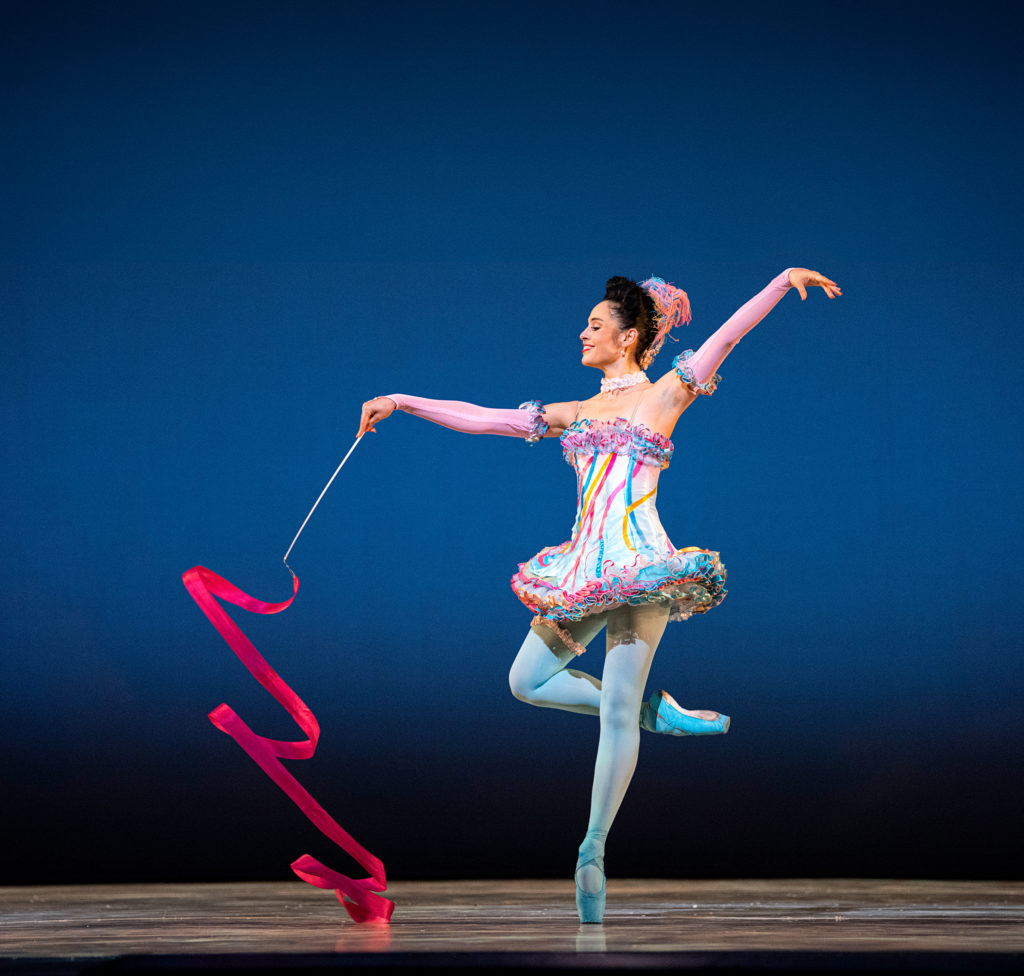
672,307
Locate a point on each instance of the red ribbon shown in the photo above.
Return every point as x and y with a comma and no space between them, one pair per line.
359,896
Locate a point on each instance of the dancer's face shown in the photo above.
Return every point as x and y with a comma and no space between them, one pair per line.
603,340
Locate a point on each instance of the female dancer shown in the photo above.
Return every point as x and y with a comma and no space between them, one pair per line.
618,571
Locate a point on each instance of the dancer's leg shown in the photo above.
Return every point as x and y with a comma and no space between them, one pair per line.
538,674
633,636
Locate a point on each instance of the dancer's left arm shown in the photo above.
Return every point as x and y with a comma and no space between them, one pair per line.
703,364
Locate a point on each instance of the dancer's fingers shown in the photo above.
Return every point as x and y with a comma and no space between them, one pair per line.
817,280
830,287
365,420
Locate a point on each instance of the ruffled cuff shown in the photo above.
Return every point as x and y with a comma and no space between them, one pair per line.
686,377
538,425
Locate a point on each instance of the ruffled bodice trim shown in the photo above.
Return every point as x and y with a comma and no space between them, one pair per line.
586,437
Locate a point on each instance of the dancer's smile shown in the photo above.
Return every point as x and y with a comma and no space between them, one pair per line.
602,343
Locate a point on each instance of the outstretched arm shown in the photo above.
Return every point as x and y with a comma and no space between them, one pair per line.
705,361
528,421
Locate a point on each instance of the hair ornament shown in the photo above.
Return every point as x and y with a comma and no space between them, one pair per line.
672,307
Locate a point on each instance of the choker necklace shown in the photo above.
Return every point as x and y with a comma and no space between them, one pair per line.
620,383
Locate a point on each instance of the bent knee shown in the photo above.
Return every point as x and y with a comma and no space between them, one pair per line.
522,688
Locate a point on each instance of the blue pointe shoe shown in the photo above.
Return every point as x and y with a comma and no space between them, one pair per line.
663,714
590,904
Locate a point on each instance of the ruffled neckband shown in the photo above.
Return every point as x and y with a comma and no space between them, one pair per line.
620,383
616,436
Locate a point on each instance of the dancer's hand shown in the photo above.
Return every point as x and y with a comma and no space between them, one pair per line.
800,278
374,411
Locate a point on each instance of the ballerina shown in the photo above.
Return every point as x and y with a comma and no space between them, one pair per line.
618,571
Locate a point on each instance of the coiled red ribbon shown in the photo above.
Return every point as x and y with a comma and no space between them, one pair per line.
359,896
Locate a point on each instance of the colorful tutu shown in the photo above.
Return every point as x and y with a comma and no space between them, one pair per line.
691,580
618,553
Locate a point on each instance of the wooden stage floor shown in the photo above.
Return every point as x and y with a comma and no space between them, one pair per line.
725,926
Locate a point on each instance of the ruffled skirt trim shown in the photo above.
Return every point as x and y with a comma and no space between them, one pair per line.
692,580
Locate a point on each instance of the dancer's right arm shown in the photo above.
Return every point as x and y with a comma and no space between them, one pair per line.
528,421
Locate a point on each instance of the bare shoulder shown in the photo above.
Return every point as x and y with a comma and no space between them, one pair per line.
559,416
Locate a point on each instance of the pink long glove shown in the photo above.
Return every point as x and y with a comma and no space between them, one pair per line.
528,421
706,360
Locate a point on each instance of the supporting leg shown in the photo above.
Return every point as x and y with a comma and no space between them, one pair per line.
633,636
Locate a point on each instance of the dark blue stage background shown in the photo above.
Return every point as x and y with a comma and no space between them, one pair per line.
225,225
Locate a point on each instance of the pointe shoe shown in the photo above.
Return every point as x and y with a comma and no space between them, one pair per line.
663,714
590,904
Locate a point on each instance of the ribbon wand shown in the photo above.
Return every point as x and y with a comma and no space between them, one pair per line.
362,898
317,502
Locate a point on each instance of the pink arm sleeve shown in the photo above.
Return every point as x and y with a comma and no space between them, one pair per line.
697,369
528,421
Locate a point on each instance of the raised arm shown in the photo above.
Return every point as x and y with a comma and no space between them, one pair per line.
697,370
528,421
704,363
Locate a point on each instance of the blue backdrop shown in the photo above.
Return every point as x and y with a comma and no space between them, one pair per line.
226,225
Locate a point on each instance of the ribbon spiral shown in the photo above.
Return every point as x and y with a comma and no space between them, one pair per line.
360,897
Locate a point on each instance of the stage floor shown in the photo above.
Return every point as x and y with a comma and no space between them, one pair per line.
740,925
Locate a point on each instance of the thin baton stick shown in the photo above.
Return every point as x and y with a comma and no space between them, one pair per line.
317,502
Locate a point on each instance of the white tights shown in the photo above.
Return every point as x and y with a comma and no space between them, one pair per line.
539,676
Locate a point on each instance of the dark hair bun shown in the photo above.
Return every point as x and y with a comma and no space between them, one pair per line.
634,309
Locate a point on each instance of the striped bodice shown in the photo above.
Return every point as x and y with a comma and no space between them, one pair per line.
617,468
